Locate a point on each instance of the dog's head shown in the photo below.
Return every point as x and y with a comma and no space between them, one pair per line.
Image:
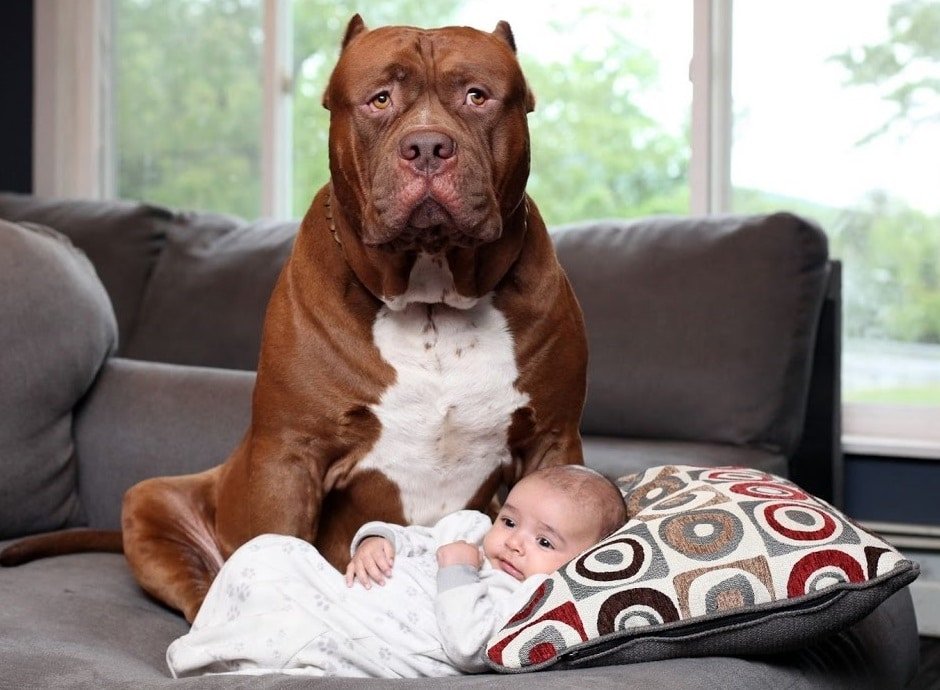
429,142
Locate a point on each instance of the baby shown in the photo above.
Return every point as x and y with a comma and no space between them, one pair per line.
277,606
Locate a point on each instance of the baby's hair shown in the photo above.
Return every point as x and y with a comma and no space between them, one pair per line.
589,488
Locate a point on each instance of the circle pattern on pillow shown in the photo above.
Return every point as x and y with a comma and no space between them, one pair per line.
798,523
649,493
702,545
703,535
769,490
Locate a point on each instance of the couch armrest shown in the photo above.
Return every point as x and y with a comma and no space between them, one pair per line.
817,465
144,419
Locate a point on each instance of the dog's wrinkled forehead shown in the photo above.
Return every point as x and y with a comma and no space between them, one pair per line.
371,58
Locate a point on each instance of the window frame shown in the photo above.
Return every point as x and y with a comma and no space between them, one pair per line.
72,147
71,91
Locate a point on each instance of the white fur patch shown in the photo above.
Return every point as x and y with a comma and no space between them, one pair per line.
430,282
446,418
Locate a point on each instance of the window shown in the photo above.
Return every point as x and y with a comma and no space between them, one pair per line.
844,126
188,103
612,67
216,105
188,111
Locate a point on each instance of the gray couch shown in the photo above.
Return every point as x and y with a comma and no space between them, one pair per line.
713,341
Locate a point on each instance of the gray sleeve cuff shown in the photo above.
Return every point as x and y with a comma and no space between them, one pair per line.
373,529
455,576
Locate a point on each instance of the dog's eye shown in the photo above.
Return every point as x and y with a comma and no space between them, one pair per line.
381,100
476,97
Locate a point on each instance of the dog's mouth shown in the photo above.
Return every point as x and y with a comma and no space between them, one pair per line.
431,228
429,213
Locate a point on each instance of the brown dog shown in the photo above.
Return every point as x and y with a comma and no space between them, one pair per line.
422,347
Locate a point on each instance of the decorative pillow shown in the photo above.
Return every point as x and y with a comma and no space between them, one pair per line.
57,328
713,561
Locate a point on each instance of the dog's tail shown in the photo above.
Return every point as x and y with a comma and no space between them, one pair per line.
61,543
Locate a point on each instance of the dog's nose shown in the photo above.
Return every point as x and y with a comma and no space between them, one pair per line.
427,149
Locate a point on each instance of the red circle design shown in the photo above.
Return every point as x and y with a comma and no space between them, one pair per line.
816,561
735,474
824,532
781,491
543,651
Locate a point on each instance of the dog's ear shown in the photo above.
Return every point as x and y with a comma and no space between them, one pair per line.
504,31
529,99
355,27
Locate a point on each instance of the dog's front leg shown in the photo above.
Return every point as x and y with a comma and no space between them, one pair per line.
274,487
285,492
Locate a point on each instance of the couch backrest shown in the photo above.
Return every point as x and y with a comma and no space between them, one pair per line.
206,299
187,287
699,329
57,329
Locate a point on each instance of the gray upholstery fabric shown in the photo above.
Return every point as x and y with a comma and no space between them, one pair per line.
122,239
699,329
145,419
616,457
57,329
206,300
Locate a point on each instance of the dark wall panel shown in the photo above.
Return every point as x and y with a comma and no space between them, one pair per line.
893,489
16,96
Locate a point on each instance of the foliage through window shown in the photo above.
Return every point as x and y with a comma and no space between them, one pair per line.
188,103
846,130
841,126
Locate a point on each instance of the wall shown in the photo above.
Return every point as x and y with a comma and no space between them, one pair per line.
897,490
16,85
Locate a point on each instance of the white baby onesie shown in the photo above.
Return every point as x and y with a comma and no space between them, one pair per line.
277,606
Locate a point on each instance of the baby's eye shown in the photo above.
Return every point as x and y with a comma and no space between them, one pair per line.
545,543
508,522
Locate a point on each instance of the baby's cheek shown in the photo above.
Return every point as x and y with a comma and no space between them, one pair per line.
560,559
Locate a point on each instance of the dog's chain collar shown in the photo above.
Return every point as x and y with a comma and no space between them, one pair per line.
329,214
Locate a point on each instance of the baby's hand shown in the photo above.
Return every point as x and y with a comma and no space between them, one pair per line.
458,553
372,562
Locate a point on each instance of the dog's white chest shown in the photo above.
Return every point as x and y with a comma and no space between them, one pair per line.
446,418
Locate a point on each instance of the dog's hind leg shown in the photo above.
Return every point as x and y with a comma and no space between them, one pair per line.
169,538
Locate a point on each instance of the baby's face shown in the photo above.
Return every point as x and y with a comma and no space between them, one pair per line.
538,530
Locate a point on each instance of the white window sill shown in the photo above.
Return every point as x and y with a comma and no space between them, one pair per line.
891,447
909,431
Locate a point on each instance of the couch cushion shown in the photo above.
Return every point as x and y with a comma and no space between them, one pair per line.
615,457
122,239
147,419
712,561
206,300
57,329
699,329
